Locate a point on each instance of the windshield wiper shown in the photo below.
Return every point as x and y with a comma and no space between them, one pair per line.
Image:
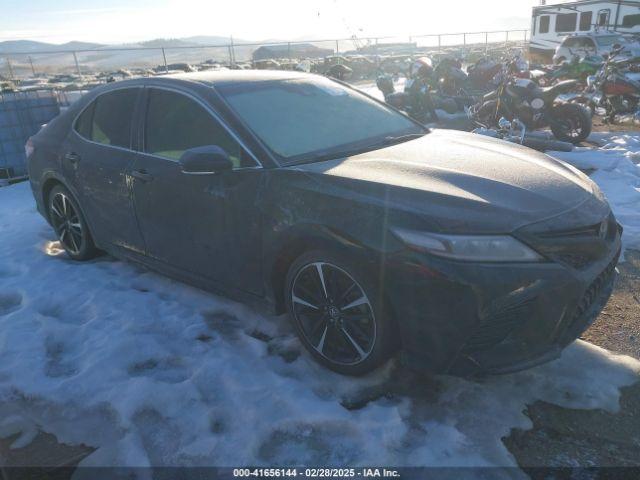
393,139
388,140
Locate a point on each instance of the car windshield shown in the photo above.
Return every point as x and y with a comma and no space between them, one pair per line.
610,40
314,118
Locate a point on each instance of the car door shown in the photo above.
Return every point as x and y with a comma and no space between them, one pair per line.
208,225
95,159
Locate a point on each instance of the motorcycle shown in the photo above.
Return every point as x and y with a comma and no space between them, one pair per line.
416,100
522,99
576,69
482,73
440,88
610,89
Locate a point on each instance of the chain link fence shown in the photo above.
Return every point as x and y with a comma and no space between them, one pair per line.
103,63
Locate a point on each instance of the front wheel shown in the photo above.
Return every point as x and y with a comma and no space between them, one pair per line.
570,123
338,313
488,114
70,225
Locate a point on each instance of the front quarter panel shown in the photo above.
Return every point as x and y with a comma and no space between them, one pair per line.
299,208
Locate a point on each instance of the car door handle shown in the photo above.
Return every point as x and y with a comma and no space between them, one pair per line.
142,175
72,157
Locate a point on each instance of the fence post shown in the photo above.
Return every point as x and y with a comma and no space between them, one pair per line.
33,70
486,43
164,59
75,59
439,43
337,47
11,76
506,42
377,55
464,40
232,53
289,53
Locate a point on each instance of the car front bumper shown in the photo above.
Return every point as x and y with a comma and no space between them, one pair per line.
467,318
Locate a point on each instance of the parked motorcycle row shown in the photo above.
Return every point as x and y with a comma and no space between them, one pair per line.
510,100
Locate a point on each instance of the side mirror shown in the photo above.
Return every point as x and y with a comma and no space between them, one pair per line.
206,160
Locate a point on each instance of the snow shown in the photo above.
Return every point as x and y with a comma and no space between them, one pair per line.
153,372
616,170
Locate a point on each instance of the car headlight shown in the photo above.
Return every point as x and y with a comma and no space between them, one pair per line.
479,248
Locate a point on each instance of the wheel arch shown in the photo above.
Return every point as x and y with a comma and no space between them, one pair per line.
48,184
300,240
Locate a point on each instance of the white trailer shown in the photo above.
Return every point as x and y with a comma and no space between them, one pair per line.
551,23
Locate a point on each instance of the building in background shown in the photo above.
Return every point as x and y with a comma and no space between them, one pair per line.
292,50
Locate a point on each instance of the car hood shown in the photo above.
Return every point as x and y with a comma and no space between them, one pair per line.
460,181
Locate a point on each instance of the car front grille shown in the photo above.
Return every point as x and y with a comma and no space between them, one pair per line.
578,248
498,324
506,317
581,318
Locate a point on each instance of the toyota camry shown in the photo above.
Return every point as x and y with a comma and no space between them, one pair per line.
375,235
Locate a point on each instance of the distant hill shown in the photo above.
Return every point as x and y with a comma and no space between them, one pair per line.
26,46
25,53
212,40
168,43
13,46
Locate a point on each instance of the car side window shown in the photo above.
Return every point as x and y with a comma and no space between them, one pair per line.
83,123
111,118
176,123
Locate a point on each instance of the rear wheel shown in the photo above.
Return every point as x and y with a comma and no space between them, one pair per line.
488,114
570,123
70,226
338,313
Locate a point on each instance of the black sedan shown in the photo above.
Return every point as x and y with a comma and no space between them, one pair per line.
374,234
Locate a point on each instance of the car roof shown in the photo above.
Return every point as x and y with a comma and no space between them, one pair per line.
219,77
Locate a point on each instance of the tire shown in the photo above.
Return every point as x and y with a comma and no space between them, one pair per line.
543,145
570,123
348,329
585,103
70,226
488,114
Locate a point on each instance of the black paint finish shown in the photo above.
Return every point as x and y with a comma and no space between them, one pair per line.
238,231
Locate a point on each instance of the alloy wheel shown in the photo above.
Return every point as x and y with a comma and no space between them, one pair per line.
334,313
66,222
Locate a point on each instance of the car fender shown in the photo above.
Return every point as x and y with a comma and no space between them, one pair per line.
284,245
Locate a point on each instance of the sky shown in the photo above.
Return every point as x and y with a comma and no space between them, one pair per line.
125,21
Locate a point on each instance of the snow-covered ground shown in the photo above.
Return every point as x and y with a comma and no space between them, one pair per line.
617,173
153,372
